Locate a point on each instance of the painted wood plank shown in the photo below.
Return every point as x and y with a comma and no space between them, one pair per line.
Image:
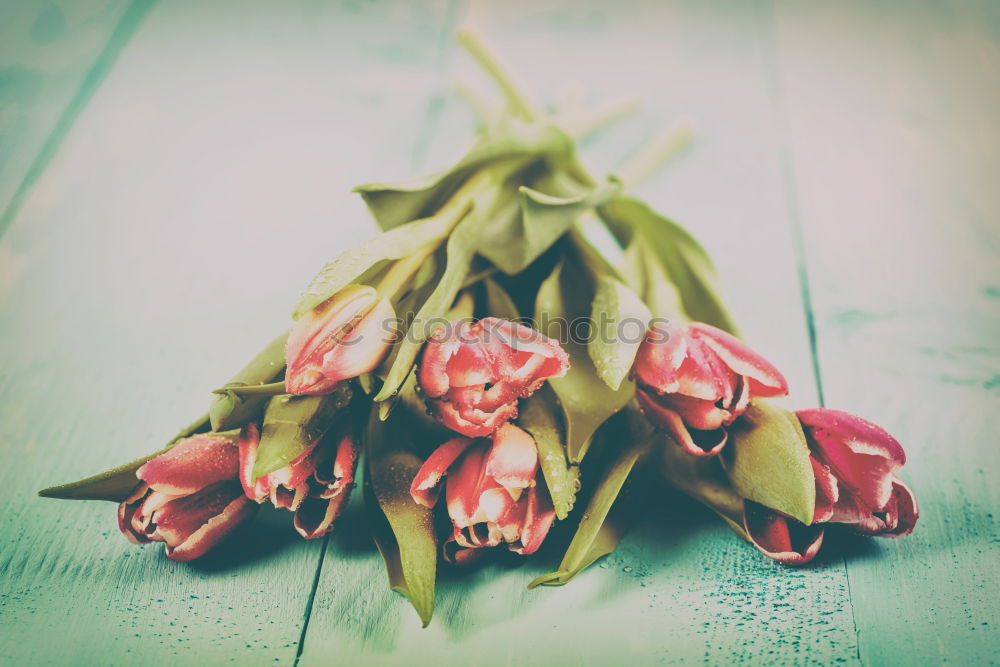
682,588
896,154
53,55
166,241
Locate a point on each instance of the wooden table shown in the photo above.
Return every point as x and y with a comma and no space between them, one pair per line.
171,174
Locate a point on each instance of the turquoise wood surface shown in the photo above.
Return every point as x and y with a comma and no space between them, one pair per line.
186,170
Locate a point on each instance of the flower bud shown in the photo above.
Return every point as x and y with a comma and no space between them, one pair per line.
347,335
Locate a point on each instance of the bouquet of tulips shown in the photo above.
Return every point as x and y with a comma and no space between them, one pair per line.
519,340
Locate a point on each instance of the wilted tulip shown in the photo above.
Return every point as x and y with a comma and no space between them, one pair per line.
695,380
494,492
854,462
345,336
473,374
315,486
189,498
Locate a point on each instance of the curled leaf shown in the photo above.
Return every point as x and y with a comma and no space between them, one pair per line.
292,424
394,204
686,263
620,319
596,536
118,483
232,411
767,461
397,243
538,416
403,529
563,303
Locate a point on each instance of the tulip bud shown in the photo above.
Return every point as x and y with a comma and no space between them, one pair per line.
853,463
494,492
695,380
314,486
345,336
189,498
473,374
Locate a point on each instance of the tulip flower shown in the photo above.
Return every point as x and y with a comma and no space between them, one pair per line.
315,486
494,492
473,374
854,462
345,336
189,498
695,380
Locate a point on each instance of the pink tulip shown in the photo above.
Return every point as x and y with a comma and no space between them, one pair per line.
695,380
189,498
345,336
494,492
314,486
473,374
854,462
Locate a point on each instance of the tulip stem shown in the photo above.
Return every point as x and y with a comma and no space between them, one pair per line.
487,58
271,389
670,141
399,274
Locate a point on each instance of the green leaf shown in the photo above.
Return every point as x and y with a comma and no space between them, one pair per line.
587,402
397,243
767,460
538,416
498,302
292,424
642,271
596,536
394,204
516,238
118,483
460,249
403,529
620,319
231,411
700,477
686,263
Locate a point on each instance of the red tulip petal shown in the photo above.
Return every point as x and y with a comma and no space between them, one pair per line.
424,487
513,458
433,371
904,504
192,464
494,505
860,454
328,327
827,492
692,441
474,423
314,517
213,531
126,513
766,381
345,464
704,376
248,443
538,519
660,357
695,412
781,538
526,354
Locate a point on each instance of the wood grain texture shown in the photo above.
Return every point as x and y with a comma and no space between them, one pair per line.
166,242
682,588
843,176
895,151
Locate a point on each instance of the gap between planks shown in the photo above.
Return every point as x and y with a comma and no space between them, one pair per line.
421,146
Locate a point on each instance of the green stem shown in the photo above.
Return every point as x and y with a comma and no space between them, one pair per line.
487,57
272,389
671,140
